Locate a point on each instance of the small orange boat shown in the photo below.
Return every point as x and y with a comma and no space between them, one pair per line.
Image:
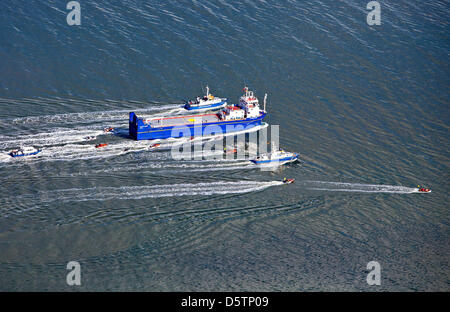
231,151
154,145
101,145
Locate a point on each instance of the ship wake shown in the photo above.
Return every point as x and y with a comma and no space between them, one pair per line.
357,187
28,202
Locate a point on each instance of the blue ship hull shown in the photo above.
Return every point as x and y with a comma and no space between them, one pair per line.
201,107
141,131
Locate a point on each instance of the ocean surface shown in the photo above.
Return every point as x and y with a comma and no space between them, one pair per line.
367,108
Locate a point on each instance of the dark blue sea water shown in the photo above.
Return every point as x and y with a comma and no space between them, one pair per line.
363,105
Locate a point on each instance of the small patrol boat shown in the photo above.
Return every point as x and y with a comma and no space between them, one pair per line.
288,181
230,151
155,145
206,102
101,145
275,156
24,151
423,189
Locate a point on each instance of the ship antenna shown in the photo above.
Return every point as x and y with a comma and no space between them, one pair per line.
265,100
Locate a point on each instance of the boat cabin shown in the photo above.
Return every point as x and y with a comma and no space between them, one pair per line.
232,112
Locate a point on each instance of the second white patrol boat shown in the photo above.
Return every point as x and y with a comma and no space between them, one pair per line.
275,156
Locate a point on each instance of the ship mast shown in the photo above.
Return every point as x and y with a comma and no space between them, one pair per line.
207,90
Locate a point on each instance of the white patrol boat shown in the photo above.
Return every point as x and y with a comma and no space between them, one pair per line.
275,156
206,102
24,151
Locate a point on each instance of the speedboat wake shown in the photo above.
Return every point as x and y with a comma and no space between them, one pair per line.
357,187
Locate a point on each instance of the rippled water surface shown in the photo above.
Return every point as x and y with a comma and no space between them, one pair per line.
367,108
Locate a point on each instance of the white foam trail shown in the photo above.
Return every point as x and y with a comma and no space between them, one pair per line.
70,152
58,136
188,166
49,135
87,117
4,157
175,111
361,188
83,152
65,150
218,168
32,201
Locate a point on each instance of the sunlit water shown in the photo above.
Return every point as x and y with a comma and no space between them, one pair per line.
365,106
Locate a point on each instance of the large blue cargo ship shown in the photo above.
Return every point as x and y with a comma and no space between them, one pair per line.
237,117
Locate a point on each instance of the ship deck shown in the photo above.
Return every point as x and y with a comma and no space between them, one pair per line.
181,120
